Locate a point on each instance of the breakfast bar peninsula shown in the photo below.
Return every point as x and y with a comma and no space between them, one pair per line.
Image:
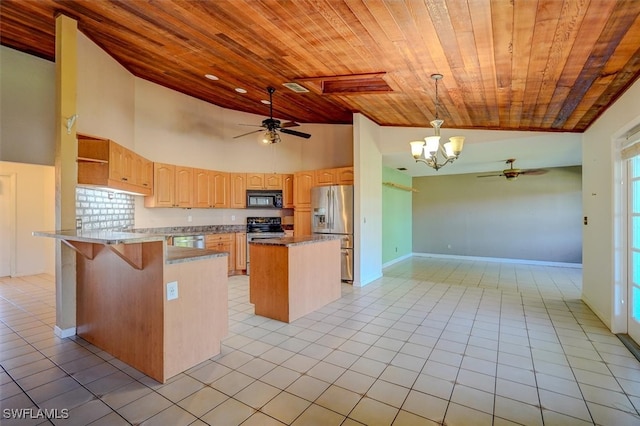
159,308
293,276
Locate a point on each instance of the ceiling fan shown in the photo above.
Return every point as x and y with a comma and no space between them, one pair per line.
274,127
512,173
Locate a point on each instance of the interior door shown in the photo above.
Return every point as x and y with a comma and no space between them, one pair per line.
633,247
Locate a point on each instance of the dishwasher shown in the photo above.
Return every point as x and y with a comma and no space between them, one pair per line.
194,241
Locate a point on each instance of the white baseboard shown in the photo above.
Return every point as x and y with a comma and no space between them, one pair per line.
396,260
62,333
501,260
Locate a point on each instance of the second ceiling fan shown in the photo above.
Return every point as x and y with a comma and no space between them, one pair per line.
512,173
273,127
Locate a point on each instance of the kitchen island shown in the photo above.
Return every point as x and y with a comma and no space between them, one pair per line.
158,308
293,276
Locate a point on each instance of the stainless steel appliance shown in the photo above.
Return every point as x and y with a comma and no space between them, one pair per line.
195,241
262,228
332,213
264,199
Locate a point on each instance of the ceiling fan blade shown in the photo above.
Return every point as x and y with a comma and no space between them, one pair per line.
250,125
483,176
296,133
289,124
245,134
533,172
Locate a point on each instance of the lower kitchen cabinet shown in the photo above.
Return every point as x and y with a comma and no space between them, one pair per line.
223,242
233,243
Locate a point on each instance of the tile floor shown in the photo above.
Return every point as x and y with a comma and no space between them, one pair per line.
434,341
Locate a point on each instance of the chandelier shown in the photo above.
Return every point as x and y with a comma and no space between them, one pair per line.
429,150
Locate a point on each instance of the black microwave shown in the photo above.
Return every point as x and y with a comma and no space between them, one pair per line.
264,199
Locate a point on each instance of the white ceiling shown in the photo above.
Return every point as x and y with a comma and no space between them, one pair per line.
484,150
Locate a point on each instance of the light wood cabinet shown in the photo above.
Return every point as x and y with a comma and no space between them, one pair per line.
344,176
210,189
173,186
238,190
226,243
241,251
324,177
287,191
302,184
302,221
264,181
104,163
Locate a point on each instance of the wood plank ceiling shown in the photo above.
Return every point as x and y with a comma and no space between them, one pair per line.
547,65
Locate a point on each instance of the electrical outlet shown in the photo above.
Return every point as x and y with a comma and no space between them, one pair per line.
172,290
233,218
189,218
78,223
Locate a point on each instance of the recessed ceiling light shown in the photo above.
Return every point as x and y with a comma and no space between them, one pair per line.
265,101
211,77
240,90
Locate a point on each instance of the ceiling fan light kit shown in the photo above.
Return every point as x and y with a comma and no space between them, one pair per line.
430,149
273,126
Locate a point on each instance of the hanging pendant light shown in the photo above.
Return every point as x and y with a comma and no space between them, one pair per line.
429,150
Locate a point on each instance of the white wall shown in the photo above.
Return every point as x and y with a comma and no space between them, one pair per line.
367,201
598,189
27,133
532,218
105,97
34,211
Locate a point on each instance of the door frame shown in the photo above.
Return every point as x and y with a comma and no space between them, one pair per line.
12,221
620,192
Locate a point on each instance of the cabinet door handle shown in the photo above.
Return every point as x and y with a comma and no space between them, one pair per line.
125,179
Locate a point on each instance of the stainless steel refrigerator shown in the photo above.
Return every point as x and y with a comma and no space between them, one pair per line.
332,213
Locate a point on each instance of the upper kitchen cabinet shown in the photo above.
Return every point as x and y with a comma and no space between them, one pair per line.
264,181
238,190
302,184
344,176
210,189
336,176
173,186
324,177
287,191
104,163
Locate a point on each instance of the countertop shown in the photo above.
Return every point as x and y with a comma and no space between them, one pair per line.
295,241
187,254
101,236
175,231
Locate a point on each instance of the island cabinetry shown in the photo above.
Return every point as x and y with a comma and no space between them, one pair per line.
123,305
210,189
224,243
292,277
104,163
238,190
173,186
287,191
264,181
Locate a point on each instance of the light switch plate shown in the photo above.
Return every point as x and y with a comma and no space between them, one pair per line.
172,290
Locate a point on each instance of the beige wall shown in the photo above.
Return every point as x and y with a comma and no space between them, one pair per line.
532,218
105,97
367,201
27,133
34,197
